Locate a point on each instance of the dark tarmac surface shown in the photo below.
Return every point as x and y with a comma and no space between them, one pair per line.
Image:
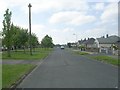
62,69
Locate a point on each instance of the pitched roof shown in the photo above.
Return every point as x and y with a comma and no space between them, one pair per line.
110,40
81,41
89,41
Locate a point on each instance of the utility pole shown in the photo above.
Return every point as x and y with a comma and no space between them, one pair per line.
30,28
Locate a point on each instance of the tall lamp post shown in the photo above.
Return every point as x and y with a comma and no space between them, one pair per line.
30,28
76,39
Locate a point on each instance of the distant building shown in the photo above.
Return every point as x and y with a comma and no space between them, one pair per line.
106,45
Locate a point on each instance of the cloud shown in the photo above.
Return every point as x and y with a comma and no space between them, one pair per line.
102,1
95,32
110,13
3,6
66,30
71,17
45,5
112,0
83,20
58,35
62,35
99,6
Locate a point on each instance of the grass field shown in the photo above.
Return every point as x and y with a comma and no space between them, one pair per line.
11,73
38,54
106,59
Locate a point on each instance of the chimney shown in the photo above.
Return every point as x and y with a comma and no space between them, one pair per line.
107,36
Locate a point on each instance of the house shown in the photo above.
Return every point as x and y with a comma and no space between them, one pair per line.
73,44
88,45
81,44
106,45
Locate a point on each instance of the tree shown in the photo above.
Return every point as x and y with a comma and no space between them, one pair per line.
15,30
19,37
6,30
69,45
14,36
34,41
23,38
47,42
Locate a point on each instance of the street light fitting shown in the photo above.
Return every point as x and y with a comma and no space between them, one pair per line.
29,5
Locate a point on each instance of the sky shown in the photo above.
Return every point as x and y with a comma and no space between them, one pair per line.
64,20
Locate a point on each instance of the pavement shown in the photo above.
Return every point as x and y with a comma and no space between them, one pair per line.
63,69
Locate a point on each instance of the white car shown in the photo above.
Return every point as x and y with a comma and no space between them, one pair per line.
62,47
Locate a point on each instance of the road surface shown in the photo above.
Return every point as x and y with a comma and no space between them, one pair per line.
63,69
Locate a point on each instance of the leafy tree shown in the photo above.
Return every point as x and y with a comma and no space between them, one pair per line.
23,38
47,42
6,30
34,41
20,37
69,45
15,36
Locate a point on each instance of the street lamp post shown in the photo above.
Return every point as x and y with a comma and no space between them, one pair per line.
76,39
30,28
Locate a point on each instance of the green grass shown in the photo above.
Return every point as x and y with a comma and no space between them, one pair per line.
0,71
12,73
106,59
39,53
81,53
0,76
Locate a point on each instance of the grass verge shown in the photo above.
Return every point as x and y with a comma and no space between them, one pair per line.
39,53
106,59
81,53
12,73
103,58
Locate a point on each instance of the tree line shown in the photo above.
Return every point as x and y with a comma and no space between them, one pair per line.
15,37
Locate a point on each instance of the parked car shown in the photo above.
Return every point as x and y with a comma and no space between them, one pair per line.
62,47
4,48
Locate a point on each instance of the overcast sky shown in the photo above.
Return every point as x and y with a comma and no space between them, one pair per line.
63,20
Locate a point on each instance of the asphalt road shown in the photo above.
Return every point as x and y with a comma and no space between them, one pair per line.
62,69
